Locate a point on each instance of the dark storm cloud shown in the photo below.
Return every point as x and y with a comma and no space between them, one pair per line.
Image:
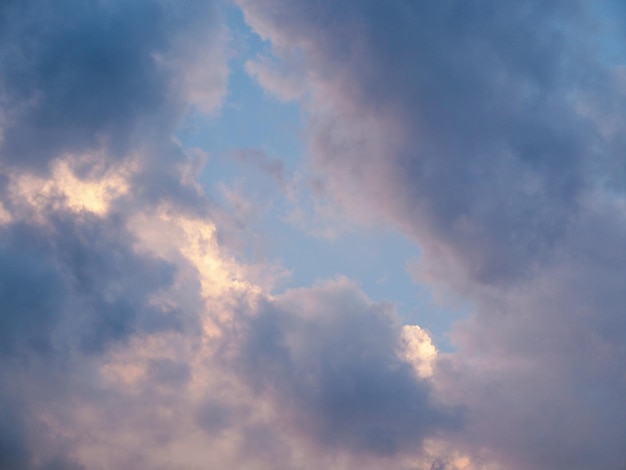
557,357
329,359
76,75
112,282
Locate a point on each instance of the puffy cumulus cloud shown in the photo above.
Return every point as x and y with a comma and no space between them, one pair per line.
152,350
417,348
491,132
328,357
147,346
258,392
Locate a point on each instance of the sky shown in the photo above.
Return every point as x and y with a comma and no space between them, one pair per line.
295,234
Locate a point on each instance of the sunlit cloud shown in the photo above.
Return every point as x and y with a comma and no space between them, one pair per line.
30,192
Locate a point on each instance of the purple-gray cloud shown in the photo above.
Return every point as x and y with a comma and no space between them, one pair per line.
490,132
84,76
465,108
329,357
90,94
117,302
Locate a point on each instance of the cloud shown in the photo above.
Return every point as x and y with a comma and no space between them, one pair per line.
442,104
90,96
21,274
131,337
328,356
90,76
480,129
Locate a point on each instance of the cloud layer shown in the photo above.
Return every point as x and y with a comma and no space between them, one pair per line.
330,358
488,132
131,337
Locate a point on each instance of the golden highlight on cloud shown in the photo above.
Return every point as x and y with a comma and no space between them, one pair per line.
64,190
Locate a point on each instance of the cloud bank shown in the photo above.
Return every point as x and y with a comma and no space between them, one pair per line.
490,133
132,337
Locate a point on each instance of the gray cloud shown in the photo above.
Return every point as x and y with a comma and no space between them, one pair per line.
13,451
462,109
30,294
70,292
99,86
167,371
329,359
486,130
83,268
491,133
80,76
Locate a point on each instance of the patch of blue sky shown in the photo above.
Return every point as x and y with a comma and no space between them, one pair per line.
610,17
252,120
375,258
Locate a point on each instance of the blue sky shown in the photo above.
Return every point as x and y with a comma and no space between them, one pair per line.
251,118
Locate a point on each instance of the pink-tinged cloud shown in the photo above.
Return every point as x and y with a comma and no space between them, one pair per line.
132,338
329,358
480,129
